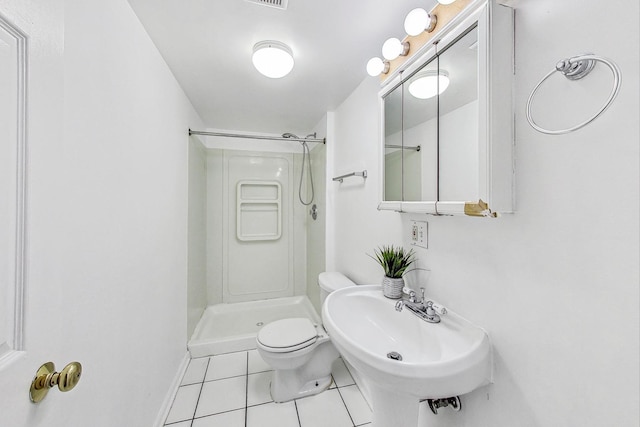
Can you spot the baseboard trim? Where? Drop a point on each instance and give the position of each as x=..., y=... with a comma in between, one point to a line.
x=173, y=390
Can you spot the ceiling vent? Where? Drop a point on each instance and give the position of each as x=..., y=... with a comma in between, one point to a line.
x=278, y=4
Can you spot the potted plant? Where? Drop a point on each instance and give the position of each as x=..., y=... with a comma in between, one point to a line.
x=394, y=262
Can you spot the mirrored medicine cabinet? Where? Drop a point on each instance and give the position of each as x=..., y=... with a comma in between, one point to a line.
x=447, y=120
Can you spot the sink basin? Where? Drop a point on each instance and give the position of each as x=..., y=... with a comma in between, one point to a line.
x=439, y=360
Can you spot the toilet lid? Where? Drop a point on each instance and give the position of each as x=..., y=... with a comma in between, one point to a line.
x=288, y=334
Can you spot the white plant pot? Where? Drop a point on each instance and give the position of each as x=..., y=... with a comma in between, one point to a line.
x=392, y=288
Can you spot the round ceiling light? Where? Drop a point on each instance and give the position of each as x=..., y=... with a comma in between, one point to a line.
x=272, y=58
x=429, y=84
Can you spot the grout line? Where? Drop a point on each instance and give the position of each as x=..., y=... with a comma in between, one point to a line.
x=213, y=415
x=295, y=403
x=260, y=404
x=225, y=378
x=200, y=393
x=345, y=406
x=206, y=369
x=228, y=352
x=258, y=372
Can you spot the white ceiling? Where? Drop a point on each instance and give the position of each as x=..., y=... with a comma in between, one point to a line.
x=208, y=46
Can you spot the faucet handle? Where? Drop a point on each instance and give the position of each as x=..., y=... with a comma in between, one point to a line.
x=411, y=293
x=412, y=296
x=438, y=308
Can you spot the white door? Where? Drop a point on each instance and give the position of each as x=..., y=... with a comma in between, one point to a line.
x=106, y=215
x=30, y=327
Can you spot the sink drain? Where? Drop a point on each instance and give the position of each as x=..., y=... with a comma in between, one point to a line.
x=394, y=355
x=259, y=324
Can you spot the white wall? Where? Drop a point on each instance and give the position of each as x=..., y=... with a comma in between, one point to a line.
x=354, y=225
x=107, y=216
x=556, y=283
x=123, y=201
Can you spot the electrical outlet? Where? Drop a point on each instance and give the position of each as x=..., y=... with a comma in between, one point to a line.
x=420, y=234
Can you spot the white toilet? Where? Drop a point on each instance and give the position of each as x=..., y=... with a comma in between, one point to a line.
x=300, y=352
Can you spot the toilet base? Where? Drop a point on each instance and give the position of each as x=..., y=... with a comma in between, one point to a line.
x=302, y=372
x=283, y=390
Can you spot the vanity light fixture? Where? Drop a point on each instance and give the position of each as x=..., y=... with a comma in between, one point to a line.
x=418, y=21
x=393, y=48
x=428, y=84
x=272, y=58
x=377, y=66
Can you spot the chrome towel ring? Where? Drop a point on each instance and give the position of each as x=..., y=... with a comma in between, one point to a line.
x=575, y=68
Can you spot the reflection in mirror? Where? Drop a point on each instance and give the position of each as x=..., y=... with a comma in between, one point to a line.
x=393, y=140
x=420, y=129
x=458, y=121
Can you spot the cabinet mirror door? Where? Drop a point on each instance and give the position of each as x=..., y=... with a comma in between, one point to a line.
x=393, y=145
x=448, y=120
x=458, y=149
x=420, y=135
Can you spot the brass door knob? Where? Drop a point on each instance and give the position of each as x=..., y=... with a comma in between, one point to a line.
x=46, y=377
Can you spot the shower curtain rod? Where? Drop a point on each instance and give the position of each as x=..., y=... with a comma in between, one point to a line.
x=266, y=137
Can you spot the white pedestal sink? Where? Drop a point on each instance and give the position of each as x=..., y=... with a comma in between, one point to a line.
x=439, y=360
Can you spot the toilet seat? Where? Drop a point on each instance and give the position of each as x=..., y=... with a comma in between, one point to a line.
x=287, y=335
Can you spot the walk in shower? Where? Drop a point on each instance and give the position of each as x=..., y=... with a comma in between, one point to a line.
x=249, y=230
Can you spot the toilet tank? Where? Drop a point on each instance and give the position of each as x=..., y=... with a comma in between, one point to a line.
x=330, y=281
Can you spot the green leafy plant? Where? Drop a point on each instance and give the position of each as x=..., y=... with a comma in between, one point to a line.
x=394, y=261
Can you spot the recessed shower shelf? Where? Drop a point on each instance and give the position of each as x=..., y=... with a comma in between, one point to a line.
x=259, y=210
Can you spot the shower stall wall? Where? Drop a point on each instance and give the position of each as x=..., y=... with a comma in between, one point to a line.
x=256, y=243
x=251, y=236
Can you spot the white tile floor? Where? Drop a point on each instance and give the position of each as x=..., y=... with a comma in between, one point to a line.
x=232, y=390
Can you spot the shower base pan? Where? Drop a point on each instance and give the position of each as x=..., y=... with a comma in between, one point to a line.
x=225, y=328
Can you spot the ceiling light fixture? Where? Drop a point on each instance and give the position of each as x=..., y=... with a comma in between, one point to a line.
x=377, y=66
x=418, y=21
x=272, y=58
x=393, y=48
x=428, y=84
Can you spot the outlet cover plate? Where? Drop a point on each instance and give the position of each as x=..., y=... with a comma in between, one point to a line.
x=419, y=234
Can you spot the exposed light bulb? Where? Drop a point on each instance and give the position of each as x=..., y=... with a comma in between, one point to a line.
x=419, y=20
x=446, y=1
x=429, y=83
x=393, y=48
x=377, y=66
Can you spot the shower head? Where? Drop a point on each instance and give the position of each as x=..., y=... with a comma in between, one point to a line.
x=290, y=135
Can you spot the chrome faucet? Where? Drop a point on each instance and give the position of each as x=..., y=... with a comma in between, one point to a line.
x=422, y=309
